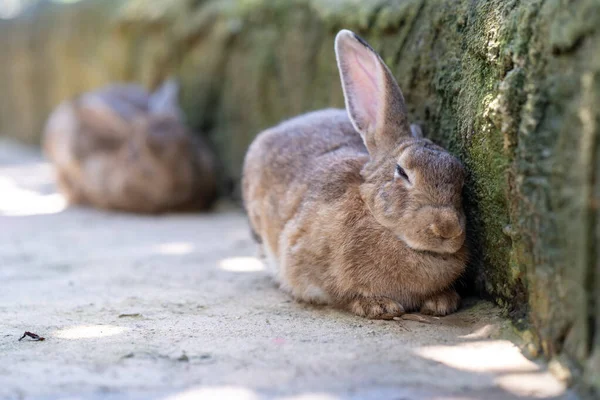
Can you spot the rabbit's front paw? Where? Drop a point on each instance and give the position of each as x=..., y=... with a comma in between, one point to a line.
x=376, y=307
x=441, y=304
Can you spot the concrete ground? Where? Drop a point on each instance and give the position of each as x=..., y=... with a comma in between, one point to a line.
x=178, y=307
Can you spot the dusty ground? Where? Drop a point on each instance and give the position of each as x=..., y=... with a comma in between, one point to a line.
x=177, y=307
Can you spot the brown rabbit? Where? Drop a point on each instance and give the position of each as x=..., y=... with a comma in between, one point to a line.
x=351, y=208
x=125, y=149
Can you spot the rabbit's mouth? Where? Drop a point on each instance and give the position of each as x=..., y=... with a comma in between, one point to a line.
x=434, y=244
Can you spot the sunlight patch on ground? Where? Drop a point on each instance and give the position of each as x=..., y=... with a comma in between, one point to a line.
x=484, y=332
x=16, y=201
x=89, y=331
x=218, y=392
x=485, y=356
x=238, y=393
x=175, y=248
x=311, y=396
x=534, y=384
x=11, y=8
x=516, y=373
x=242, y=264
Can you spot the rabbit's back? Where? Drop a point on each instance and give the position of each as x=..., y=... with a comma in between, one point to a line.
x=301, y=151
x=315, y=155
x=126, y=100
x=93, y=122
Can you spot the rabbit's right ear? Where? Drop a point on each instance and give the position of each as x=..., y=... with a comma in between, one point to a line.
x=373, y=99
x=164, y=100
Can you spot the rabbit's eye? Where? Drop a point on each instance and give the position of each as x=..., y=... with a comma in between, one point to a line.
x=400, y=172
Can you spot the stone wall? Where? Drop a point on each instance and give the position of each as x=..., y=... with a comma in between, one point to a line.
x=511, y=87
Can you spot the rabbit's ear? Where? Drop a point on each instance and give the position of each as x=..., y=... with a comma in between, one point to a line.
x=165, y=98
x=373, y=99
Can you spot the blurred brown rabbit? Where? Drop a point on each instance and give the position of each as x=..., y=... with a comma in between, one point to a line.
x=123, y=148
x=355, y=208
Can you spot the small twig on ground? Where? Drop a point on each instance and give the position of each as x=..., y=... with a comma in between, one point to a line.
x=130, y=315
x=414, y=317
x=33, y=336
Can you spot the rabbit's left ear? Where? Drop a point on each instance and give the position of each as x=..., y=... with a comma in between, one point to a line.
x=165, y=98
x=373, y=99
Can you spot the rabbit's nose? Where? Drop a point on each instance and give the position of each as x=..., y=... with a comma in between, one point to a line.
x=447, y=226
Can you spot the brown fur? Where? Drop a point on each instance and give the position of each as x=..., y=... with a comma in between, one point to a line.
x=116, y=149
x=339, y=222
